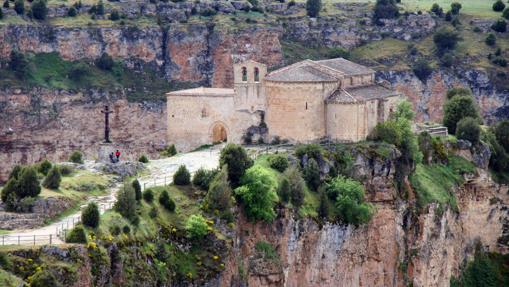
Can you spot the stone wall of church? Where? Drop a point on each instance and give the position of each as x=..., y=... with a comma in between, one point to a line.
x=191, y=120
x=296, y=111
x=346, y=122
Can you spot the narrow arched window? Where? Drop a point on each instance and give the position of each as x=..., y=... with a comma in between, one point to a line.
x=306, y=105
x=256, y=74
x=204, y=113
x=244, y=74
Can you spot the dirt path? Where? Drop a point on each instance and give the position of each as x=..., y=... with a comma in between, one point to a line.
x=159, y=172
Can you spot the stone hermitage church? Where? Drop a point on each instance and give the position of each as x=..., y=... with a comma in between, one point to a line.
x=308, y=101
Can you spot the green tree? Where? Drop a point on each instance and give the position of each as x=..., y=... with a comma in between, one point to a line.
x=455, y=8
x=499, y=26
x=385, y=9
x=388, y=132
x=76, y=157
x=166, y=201
x=498, y=6
x=505, y=14
x=39, y=9
x=258, y=194
x=90, y=216
x=53, y=179
x=19, y=7
x=99, y=8
x=323, y=208
x=148, y=195
x=311, y=173
x=468, y=129
x=297, y=186
x=457, y=108
x=437, y=10
x=72, y=12
x=446, y=39
x=44, y=167
x=137, y=189
x=126, y=203
x=114, y=16
x=28, y=183
x=283, y=190
x=237, y=161
x=105, y=62
x=502, y=134
x=349, y=197
x=196, y=226
x=458, y=92
x=202, y=178
x=422, y=69
x=182, y=176
x=44, y=278
x=19, y=65
x=77, y=235
x=16, y=171
x=1, y=14
x=499, y=160
x=143, y=159
x=278, y=162
x=219, y=194
x=426, y=146
x=313, y=7
x=6, y=4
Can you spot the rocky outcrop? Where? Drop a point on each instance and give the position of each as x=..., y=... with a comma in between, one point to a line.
x=428, y=97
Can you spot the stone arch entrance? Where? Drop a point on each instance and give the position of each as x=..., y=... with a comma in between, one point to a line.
x=219, y=133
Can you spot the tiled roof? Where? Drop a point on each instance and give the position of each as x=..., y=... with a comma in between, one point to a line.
x=202, y=91
x=349, y=68
x=318, y=71
x=360, y=94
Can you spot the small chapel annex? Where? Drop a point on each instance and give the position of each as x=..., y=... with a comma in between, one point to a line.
x=308, y=101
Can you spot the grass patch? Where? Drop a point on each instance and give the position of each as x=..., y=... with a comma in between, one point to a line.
x=434, y=184
x=9, y=280
x=460, y=165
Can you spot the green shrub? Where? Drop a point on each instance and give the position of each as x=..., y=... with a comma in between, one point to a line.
x=323, y=207
x=349, y=200
x=283, y=190
x=311, y=174
x=219, y=195
x=44, y=167
x=422, y=69
x=499, y=159
x=19, y=7
x=297, y=186
x=313, y=151
x=313, y=7
x=237, y=161
x=105, y=62
x=388, y=132
x=39, y=9
x=77, y=235
x=53, y=179
x=502, y=134
x=457, y=108
x=6, y=4
x=446, y=39
x=258, y=194
x=437, y=10
x=148, y=195
x=499, y=26
x=458, y=92
x=468, y=129
x=65, y=170
x=499, y=61
x=90, y=216
x=385, y=9
x=169, y=151
x=143, y=158
x=455, y=8
x=1, y=14
x=126, y=203
x=153, y=212
x=126, y=229
x=19, y=65
x=505, y=14
x=267, y=250
x=137, y=189
x=182, y=176
x=114, y=16
x=202, y=178
x=278, y=162
x=44, y=278
x=498, y=6
x=166, y=201
x=196, y=226
x=115, y=230
x=28, y=184
x=491, y=40
x=72, y=12
x=76, y=157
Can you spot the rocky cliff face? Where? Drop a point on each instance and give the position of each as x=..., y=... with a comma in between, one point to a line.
x=396, y=248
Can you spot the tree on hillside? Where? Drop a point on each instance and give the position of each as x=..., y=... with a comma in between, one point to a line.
x=313, y=8
x=105, y=62
x=385, y=9
x=90, y=216
x=6, y=4
x=311, y=174
x=422, y=69
x=137, y=189
x=505, y=14
x=499, y=26
x=446, y=39
x=502, y=134
x=457, y=108
x=19, y=7
x=19, y=65
x=258, y=194
x=491, y=40
x=348, y=195
x=39, y=9
x=219, y=194
x=23, y=183
x=437, y=10
x=53, y=179
x=455, y=8
x=237, y=161
x=296, y=187
x=468, y=129
x=458, y=92
x=498, y=6
x=126, y=203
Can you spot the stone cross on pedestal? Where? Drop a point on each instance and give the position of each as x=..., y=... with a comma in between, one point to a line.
x=106, y=113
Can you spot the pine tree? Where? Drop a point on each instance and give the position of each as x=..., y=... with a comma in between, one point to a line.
x=53, y=179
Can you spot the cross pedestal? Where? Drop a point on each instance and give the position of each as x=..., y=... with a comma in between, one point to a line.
x=104, y=152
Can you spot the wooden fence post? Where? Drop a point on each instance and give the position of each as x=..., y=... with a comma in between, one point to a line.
x=50, y=239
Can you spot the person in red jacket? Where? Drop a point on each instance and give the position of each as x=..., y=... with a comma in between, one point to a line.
x=117, y=154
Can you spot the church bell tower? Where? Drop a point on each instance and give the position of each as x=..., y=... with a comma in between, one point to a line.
x=248, y=83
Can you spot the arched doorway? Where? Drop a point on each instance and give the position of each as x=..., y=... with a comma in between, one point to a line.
x=219, y=133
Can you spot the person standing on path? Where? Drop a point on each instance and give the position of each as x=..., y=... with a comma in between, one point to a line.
x=117, y=154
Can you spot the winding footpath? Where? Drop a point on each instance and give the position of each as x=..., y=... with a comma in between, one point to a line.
x=158, y=172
